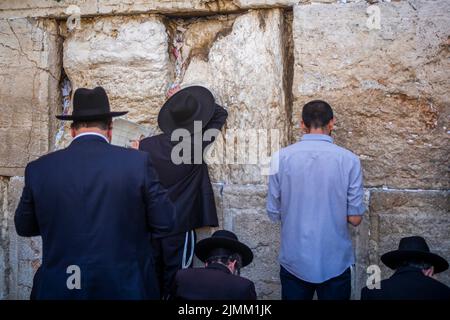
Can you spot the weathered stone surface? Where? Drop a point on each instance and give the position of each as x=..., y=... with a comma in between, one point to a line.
x=24, y=253
x=388, y=87
x=57, y=9
x=361, y=247
x=262, y=236
x=3, y=239
x=397, y=214
x=29, y=74
x=245, y=69
x=244, y=214
x=128, y=57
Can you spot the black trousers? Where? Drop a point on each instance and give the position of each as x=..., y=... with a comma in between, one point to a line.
x=168, y=255
x=293, y=288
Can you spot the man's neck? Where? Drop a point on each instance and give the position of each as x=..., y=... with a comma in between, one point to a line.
x=318, y=131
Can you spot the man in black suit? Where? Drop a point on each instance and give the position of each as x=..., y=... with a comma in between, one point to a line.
x=414, y=267
x=224, y=256
x=190, y=120
x=93, y=204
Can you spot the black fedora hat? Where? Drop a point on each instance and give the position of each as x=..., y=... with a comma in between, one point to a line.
x=90, y=105
x=194, y=103
x=414, y=248
x=228, y=242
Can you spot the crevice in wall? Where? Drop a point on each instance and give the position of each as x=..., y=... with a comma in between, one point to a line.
x=288, y=67
x=65, y=89
x=4, y=239
x=193, y=37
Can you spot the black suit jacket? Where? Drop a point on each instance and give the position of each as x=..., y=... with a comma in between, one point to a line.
x=188, y=184
x=94, y=205
x=408, y=284
x=214, y=282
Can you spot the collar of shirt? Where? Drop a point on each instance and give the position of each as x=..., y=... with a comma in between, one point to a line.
x=317, y=137
x=90, y=134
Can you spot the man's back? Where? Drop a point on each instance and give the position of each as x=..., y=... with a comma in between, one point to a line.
x=93, y=205
x=212, y=283
x=408, y=284
x=317, y=186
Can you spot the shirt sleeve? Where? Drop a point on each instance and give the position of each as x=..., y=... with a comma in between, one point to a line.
x=274, y=193
x=355, y=194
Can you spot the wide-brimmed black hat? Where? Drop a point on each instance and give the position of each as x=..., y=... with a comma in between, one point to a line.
x=195, y=103
x=414, y=248
x=90, y=105
x=227, y=242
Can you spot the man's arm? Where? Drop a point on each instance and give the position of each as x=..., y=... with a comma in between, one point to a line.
x=216, y=123
x=25, y=216
x=159, y=207
x=273, y=205
x=355, y=195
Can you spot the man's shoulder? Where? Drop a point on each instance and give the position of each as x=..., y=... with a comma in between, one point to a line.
x=346, y=153
x=113, y=150
x=154, y=138
x=299, y=146
x=46, y=159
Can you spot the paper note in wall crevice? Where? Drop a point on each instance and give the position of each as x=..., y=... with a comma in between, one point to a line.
x=125, y=131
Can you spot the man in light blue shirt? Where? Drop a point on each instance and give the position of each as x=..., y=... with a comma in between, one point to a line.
x=315, y=190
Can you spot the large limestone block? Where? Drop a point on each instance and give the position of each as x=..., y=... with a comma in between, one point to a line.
x=245, y=215
x=44, y=8
x=24, y=253
x=262, y=236
x=245, y=68
x=397, y=214
x=128, y=56
x=388, y=86
x=29, y=76
x=58, y=9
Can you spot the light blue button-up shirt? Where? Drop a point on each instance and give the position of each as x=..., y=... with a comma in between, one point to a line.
x=314, y=185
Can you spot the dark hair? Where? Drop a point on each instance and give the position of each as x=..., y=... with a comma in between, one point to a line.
x=104, y=124
x=317, y=114
x=227, y=259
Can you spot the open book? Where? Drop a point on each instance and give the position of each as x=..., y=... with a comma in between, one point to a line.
x=125, y=131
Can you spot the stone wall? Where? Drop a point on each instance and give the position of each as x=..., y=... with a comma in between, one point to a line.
x=263, y=59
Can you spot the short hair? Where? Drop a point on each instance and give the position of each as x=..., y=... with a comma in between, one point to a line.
x=227, y=259
x=317, y=114
x=103, y=124
x=416, y=263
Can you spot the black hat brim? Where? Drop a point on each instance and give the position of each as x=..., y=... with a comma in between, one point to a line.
x=205, y=246
x=394, y=259
x=206, y=101
x=91, y=117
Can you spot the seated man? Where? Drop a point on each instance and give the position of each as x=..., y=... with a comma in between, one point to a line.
x=224, y=256
x=414, y=267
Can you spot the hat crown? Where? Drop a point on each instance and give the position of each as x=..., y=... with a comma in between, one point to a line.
x=185, y=107
x=414, y=243
x=90, y=101
x=224, y=234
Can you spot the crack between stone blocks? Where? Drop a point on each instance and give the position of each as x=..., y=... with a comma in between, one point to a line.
x=405, y=189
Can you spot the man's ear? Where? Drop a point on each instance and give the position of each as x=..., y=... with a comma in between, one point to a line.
x=304, y=127
x=73, y=132
x=331, y=124
x=109, y=134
